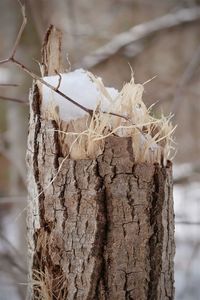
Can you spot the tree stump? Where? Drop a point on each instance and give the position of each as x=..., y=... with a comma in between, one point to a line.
x=104, y=228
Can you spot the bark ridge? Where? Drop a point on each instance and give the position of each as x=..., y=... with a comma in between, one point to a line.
x=104, y=229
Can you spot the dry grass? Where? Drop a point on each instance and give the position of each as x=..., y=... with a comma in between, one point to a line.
x=152, y=138
x=47, y=288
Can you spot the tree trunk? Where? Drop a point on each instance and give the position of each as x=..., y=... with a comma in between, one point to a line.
x=104, y=229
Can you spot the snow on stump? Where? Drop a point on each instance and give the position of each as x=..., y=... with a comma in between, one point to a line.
x=100, y=212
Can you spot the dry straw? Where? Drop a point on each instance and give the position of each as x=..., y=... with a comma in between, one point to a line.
x=47, y=287
x=152, y=138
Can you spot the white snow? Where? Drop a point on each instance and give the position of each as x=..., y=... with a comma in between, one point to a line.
x=78, y=86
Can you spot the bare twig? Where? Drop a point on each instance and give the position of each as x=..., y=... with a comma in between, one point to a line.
x=141, y=31
x=13, y=100
x=188, y=223
x=8, y=84
x=21, y=30
x=55, y=89
x=12, y=200
x=29, y=72
x=36, y=77
x=117, y=115
x=3, y=61
x=59, y=79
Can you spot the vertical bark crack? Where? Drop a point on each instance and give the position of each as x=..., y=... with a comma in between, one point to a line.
x=156, y=240
x=102, y=231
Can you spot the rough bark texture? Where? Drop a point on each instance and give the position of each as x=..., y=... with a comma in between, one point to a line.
x=104, y=229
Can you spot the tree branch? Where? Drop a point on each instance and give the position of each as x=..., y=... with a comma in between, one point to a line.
x=139, y=32
x=29, y=72
x=59, y=79
x=55, y=89
x=188, y=223
x=21, y=30
x=13, y=100
x=8, y=84
x=13, y=200
x=38, y=78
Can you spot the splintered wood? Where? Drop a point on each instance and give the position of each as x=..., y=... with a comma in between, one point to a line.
x=100, y=228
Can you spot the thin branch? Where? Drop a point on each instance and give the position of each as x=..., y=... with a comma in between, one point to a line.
x=117, y=115
x=55, y=89
x=9, y=84
x=21, y=30
x=13, y=100
x=36, y=77
x=139, y=32
x=59, y=79
x=4, y=61
x=187, y=223
x=13, y=200
x=29, y=72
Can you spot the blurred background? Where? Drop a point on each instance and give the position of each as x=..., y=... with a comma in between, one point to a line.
x=103, y=36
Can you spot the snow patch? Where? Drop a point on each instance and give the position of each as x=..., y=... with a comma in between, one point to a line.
x=78, y=86
x=127, y=116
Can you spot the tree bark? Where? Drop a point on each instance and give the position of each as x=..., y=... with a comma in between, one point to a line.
x=104, y=229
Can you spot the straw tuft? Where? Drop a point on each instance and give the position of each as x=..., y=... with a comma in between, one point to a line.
x=126, y=116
